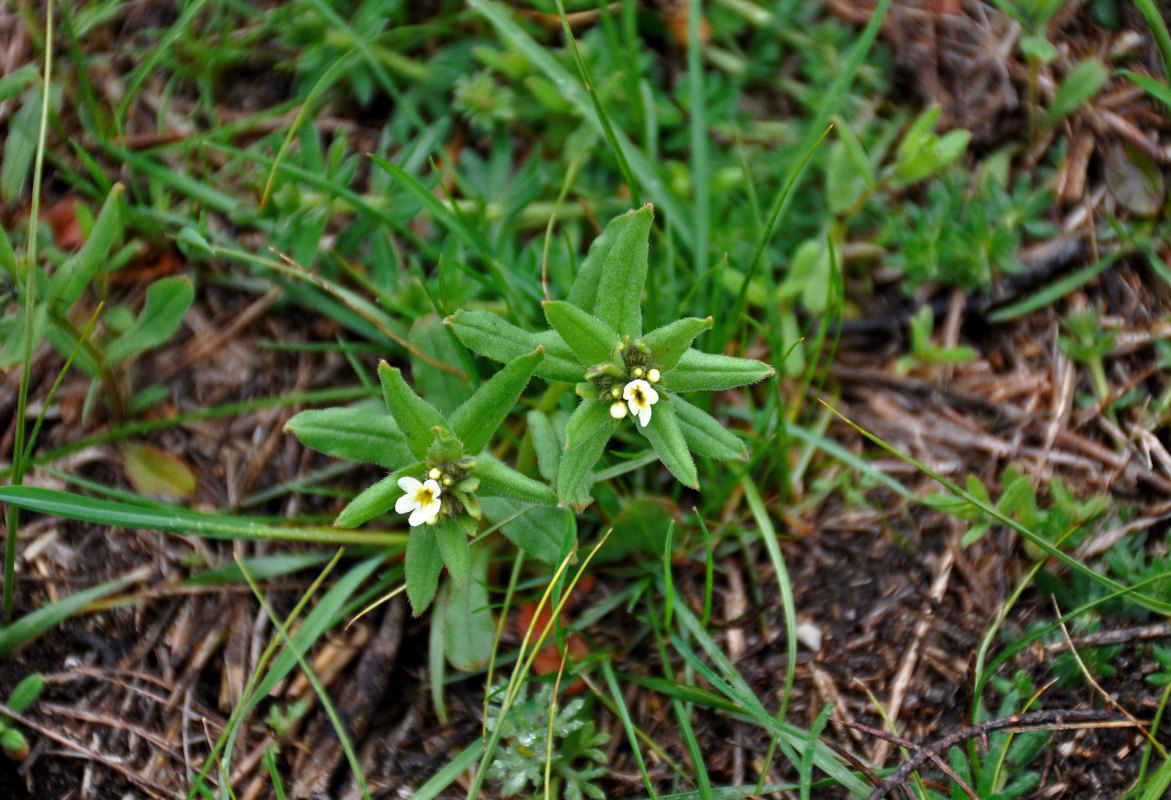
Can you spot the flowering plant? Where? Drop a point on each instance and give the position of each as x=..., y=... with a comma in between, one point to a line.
x=438, y=469
x=596, y=341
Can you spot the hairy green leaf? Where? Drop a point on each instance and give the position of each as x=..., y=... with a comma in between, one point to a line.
x=585, y=421
x=576, y=462
x=356, y=434
x=378, y=499
x=423, y=565
x=591, y=339
x=698, y=371
x=453, y=546
x=477, y=419
x=416, y=418
x=666, y=437
x=670, y=342
x=469, y=630
x=705, y=435
x=541, y=532
x=496, y=338
x=545, y=444
x=619, y=299
x=498, y=480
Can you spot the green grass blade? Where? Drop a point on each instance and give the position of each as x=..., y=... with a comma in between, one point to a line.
x=181, y=520
x=700, y=166
x=500, y=17
x=702, y=781
x=627, y=722
x=38, y=622
x=1154, y=18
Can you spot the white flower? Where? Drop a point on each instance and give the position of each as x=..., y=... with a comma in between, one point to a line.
x=640, y=396
x=421, y=500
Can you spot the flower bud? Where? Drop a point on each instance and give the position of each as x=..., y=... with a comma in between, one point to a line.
x=618, y=410
x=653, y=375
x=434, y=474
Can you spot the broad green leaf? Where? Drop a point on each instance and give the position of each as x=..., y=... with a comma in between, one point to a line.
x=591, y=339
x=587, y=418
x=494, y=337
x=156, y=473
x=918, y=135
x=698, y=371
x=1081, y=85
x=71, y=278
x=445, y=390
x=38, y=622
x=354, y=434
x=416, y=418
x=619, y=303
x=453, y=546
x=176, y=519
x=541, y=532
x=545, y=444
x=498, y=480
x=667, y=439
x=474, y=422
x=423, y=565
x=576, y=463
x=670, y=342
x=26, y=693
x=584, y=292
x=378, y=499
x=469, y=630
x=705, y=435
x=166, y=301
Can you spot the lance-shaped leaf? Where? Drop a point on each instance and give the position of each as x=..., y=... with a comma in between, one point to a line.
x=468, y=628
x=585, y=421
x=668, y=343
x=577, y=462
x=474, y=422
x=443, y=389
x=416, y=418
x=355, y=434
x=166, y=300
x=497, y=480
x=71, y=278
x=705, y=435
x=707, y=372
x=377, y=499
x=665, y=436
x=584, y=292
x=453, y=546
x=619, y=297
x=496, y=338
x=591, y=339
x=423, y=566
x=545, y=444
x=540, y=532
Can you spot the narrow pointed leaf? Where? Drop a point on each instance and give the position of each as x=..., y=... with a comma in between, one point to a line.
x=540, y=532
x=432, y=338
x=498, y=480
x=496, y=338
x=416, y=418
x=353, y=434
x=591, y=339
x=453, y=546
x=545, y=444
x=697, y=371
x=166, y=301
x=585, y=422
x=666, y=437
x=7, y=255
x=576, y=463
x=705, y=435
x=619, y=302
x=670, y=342
x=468, y=629
x=44, y=619
x=424, y=563
x=70, y=280
x=474, y=422
x=377, y=499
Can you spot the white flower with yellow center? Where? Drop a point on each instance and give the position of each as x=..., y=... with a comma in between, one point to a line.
x=640, y=396
x=421, y=500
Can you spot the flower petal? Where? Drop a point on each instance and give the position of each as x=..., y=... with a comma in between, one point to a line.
x=644, y=415
x=406, y=503
x=418, y=517
x=433, y=485
x=409, y=485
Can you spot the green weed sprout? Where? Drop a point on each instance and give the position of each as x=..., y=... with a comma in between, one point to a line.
x=525, y=732
x=596, y=342
x=437, y=467
x=12, y=740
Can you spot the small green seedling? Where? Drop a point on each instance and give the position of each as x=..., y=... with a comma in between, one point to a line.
x=12, y=740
